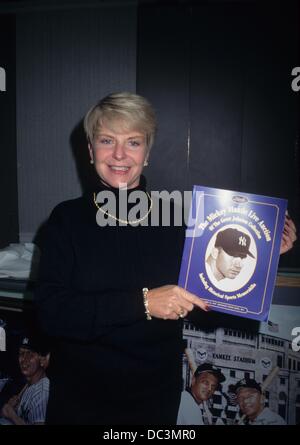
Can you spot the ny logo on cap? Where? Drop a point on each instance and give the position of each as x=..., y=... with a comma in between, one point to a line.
x=25, y=341
x=242, y=241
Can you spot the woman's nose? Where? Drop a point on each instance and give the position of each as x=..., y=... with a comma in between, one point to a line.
x=119, y=151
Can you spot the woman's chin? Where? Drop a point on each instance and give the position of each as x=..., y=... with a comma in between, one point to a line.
x=120, y=182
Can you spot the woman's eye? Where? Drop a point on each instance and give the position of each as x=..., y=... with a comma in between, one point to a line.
x=134, y=143
x=106, y=141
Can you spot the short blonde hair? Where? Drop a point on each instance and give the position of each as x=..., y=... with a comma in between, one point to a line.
x=129, y=110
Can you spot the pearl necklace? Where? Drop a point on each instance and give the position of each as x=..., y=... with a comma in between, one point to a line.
x=125, y=221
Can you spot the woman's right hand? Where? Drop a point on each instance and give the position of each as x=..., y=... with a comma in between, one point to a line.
x=172, y=302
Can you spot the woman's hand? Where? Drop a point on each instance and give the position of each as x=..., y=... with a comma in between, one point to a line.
x=288, y=235
x=171, y=302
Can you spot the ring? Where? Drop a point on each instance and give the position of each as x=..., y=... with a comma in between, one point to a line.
x=181, y=313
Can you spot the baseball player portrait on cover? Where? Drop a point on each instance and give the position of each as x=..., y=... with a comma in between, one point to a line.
x=230, y=252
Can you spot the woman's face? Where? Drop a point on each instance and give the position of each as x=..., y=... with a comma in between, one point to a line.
x=119, y=156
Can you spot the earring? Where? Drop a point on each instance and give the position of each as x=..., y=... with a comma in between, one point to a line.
x=145, y=163
x=91, y=161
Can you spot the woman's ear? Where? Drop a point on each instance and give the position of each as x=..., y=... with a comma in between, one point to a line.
x=91, y=153
x=146, y=161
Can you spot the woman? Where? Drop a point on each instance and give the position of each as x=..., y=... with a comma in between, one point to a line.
x=107, y=292
x=102, y=286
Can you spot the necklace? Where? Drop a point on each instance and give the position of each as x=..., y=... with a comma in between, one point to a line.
x=125, y=221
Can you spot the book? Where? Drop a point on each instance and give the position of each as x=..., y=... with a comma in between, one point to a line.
x=231, y=251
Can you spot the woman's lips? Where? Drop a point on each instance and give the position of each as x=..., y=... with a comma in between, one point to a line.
x=119, y=170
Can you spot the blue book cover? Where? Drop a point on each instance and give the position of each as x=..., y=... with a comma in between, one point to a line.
x=232, y=249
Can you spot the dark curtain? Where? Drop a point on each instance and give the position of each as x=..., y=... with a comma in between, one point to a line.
x=219, y=76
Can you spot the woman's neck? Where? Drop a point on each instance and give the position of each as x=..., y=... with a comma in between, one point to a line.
x=102, y=185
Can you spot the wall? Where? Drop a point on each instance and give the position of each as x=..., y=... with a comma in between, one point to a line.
x=66, y=61
x=219, y=76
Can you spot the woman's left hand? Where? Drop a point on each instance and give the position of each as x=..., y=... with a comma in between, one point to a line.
x=172, y=302
x=288, y=236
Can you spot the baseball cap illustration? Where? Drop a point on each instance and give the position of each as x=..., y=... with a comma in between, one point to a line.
x=247, y=383
x=208, y=367
x=234, y=242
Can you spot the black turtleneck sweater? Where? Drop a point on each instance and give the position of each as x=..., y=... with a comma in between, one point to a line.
x=109, y=364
